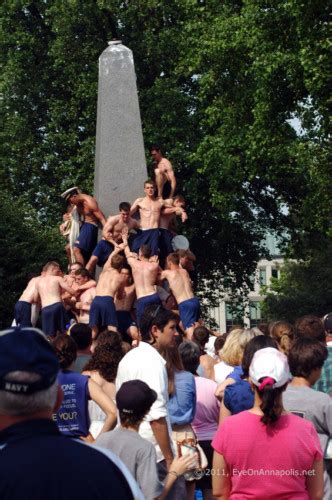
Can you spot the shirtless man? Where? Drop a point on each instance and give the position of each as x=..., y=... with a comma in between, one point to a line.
x=163, y=172
x=22, y=310
x=102, y=310
x=124, y=301
x=49, y=287
x=112, y=236
x=150, y=209
x=84, y=300
x=167, y=224
x=88, y=207
x=145, y=274
x=181, y=287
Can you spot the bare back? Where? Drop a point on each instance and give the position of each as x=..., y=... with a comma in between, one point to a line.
x=110, y=280
x=86, y=206
x=180, y=284
x=145, y=276
x=49, y=290
x=30, y=294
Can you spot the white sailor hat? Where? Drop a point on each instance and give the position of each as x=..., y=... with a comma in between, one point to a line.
x=69, y=192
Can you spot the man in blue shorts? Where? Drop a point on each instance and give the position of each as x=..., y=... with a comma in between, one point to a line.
x=181, y=287
x=149, y=209
x=112, y=236
x=88, y=208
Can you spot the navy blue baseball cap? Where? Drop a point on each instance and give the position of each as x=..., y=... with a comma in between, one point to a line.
x=26, y=349
x=135, y=397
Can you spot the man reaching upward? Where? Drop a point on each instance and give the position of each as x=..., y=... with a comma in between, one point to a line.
x=181, y=287
x=87, y=207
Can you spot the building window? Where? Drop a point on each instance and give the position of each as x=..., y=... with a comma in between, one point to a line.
x=262, y=276
x=275, y=272
x=234, y=316
x=255, y=313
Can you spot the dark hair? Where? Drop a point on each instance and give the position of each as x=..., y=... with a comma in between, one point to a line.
x=107, y=355
x=83, y=272
x=117, y=261
x=220, y=342
x=174, y=258
x=82, y=335
x=200, y=336
x=270, y=405
x=145, y=251
x=150, y=181
x=190, y=354
x=255, y=344
x=283, y=333
x=173, y=363
x=125, y=206
x=154, y=147
x=310, y=327
x=65, y=349
x=128, y=419
x=305, y=356
x=154, y=315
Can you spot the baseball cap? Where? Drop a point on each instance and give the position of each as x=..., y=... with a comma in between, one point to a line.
x=26, y=349
x=69, y=192
x=271, y=364
x=135, y=397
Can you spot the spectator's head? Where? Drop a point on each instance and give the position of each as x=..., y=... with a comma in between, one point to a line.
x=219, y=343
x=28, y=375
x=306, y=358
x=232, y=352
x=283, y=333
x=327, y=321
x=107, y=355
x=256, y=343
x=310, y=327
x=82, y=335
x=134, y=400
x=158, y=325
x=201, y=335
x=190, y=354
x=269, y=374
x=65, y=349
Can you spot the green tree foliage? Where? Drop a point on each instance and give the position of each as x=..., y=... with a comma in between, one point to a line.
x=218, y=85
x=303, y=287
x=26, y=244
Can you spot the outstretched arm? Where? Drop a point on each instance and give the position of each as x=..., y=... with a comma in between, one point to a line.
x=135, y=206
x=116, y=250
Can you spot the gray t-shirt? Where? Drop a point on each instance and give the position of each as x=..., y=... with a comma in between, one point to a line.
x=311, y=405
x=138, y=455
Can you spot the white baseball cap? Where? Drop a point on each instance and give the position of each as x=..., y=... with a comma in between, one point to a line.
x=69, y=192
x=269, y=363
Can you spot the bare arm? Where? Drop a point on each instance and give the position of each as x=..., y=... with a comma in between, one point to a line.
x=65, y=287
x=105, y=403
x=135, y=206
x=221, y=482
x=224, y=412
x=219, y=392
x=107, y=230
x=172, y=180
x=315, y=481
x=177, y=468
x=86, y=286
x=160, y=430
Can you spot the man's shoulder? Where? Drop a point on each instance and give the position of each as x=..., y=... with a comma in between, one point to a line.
x=165, y=162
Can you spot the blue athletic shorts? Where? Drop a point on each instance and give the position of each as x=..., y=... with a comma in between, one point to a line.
x=87, y=239
x=147, y=237
x=165, y=243
x=143, y=302
x=189, y=312
x=22, y=313
x=103, y=250
x=124, y=321
x=102, y=312
x=54, y=319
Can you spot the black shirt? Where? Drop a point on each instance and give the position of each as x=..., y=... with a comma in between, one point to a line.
x=39, y=463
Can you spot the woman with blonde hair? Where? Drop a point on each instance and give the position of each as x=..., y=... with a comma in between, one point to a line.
x=283, y=333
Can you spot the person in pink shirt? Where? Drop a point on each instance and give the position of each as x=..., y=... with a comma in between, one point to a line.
x=205, y=423
x=267, y=453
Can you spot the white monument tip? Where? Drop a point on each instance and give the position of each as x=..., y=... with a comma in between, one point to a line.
x=115, y=42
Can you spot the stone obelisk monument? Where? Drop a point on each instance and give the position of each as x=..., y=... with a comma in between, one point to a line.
x=120, y=168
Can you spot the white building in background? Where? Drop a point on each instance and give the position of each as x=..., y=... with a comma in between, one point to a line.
x=225, y=316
